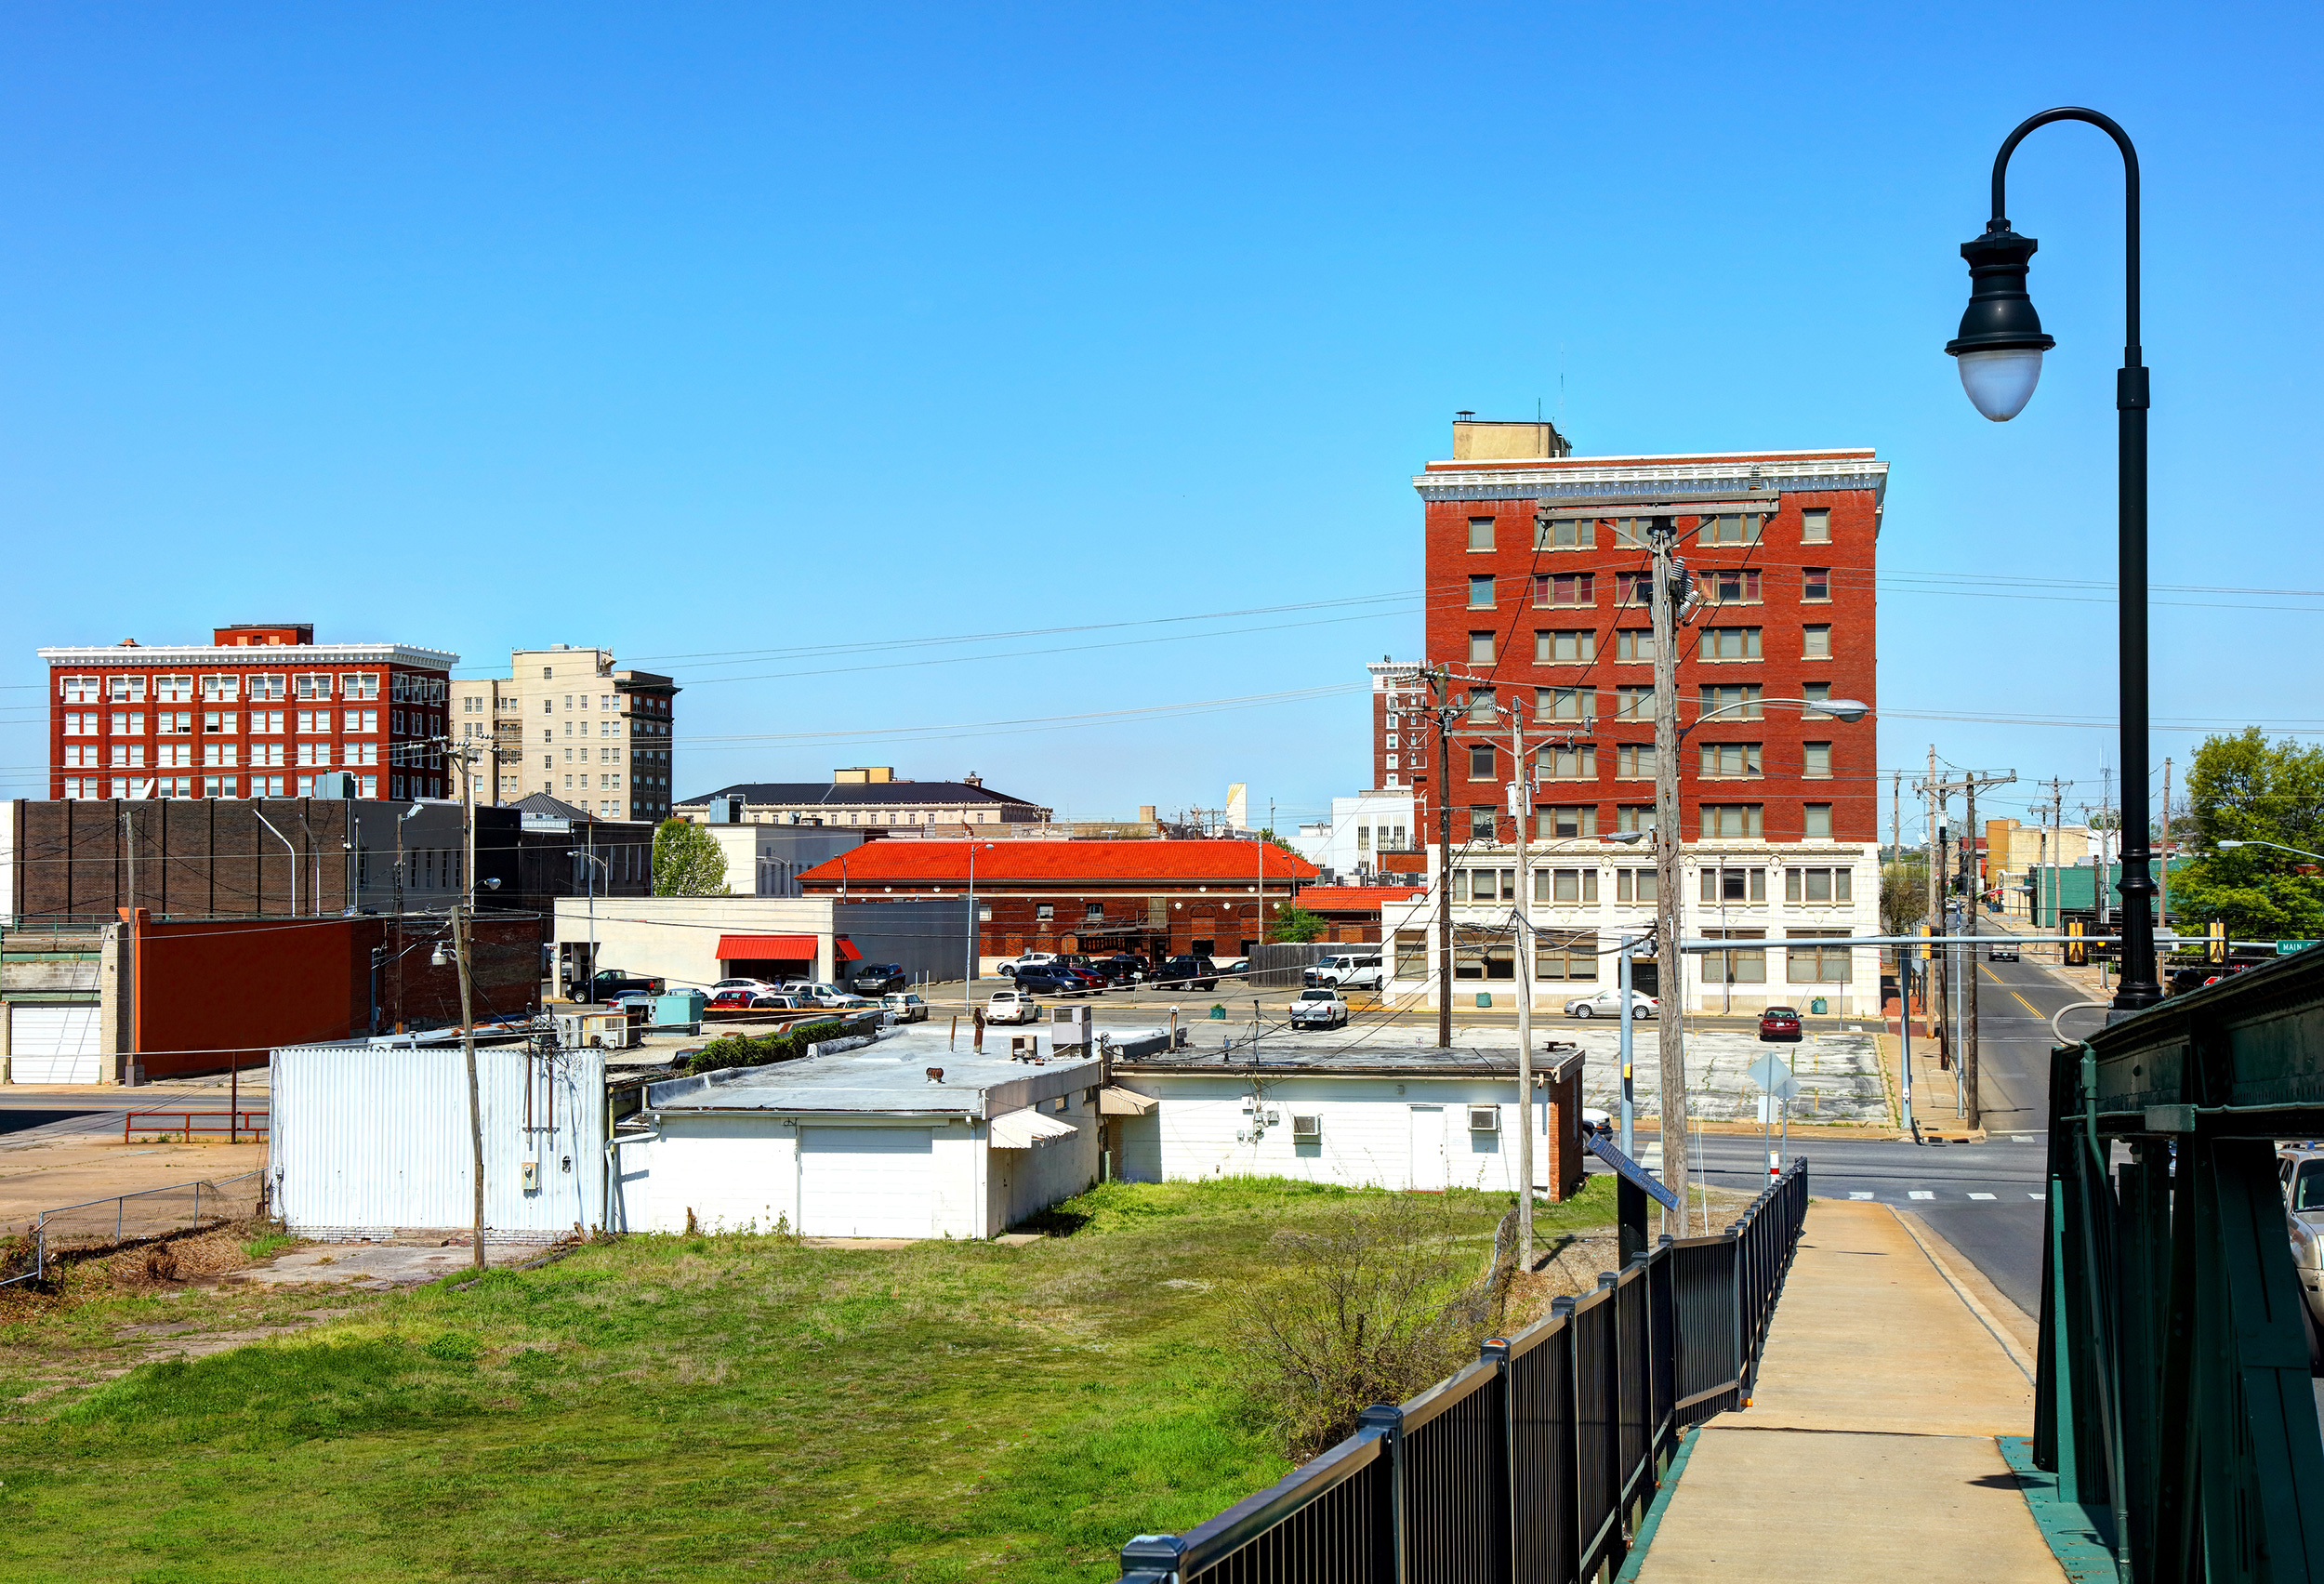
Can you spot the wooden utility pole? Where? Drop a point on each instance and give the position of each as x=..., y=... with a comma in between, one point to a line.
x=1972, y=887
x=1440, y=686
x=2162, y=921
x=1521, y=804
x=463, y=937
x=1670, y=965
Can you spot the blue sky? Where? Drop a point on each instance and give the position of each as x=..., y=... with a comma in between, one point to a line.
x=763, y=346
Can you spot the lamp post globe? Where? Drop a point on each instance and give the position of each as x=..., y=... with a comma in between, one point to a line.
x=1999, y=350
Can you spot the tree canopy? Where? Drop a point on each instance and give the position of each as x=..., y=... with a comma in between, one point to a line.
x=687, y=861
x=2245, y=788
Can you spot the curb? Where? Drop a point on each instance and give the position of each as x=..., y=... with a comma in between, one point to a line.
x=1653, y=1521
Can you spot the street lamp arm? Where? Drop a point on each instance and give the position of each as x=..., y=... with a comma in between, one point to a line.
x=2300, y=851
x=1848, y=710
x=2130, y=218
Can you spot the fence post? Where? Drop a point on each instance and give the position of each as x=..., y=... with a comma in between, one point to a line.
x=1152, y=1559
x=1495, y=1352
x=1387, y=1420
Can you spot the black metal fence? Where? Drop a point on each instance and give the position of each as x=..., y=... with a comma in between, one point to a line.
x=1533, y=1463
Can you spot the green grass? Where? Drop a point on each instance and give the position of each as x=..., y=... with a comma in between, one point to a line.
x=679, y=1408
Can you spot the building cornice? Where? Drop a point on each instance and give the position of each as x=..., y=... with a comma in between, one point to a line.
x=250, y=655
x=1678, y=480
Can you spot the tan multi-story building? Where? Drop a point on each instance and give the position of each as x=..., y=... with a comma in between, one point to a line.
x=566, y=722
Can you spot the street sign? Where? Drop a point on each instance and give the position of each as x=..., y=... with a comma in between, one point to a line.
x=2285, y=949
x=1770, y=1074
x=1637, y=1175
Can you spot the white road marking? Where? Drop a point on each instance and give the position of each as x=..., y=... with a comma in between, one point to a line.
x=1859, y=1195
x=1981, y=1196
x=2037, y=1196
x=2021, y=1139
x=1923, y=1194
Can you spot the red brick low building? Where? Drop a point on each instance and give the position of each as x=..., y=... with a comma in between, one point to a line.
x=1353, y=912
x=1155, y=898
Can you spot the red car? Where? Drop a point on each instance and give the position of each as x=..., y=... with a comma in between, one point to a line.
x=1779, y=1022
x=731, y=999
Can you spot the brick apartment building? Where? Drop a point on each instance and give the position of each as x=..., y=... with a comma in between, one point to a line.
x=1536, y=565
x=567, y=722
x=259, y=711
x=1155, y=898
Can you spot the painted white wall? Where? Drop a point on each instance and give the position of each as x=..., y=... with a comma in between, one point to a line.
x=677, y=937
x=1024, y=1181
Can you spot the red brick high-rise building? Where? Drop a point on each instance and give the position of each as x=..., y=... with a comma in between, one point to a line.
x=259, y=711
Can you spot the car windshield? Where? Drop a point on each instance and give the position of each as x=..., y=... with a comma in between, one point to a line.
x=1317, y=996
x=1781, y=1013
x=2308, y=1189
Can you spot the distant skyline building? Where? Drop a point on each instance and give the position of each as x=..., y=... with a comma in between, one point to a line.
x=567, y=722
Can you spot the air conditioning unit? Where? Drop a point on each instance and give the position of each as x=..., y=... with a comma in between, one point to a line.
x=1306, y=1129
x=1485, y=1119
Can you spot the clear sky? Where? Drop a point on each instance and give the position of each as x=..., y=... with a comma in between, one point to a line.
x=765, y=346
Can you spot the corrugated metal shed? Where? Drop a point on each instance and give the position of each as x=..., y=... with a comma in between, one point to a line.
x=372, y=1140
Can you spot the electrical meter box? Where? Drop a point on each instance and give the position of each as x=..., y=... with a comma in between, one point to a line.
x=531, y=1177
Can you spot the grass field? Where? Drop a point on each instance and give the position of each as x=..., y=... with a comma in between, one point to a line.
x=673, y=1407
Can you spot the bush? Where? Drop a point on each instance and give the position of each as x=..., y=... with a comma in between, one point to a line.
x=1371, y=1310
x=755, y=1050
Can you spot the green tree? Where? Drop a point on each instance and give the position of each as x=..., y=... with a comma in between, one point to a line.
x=1294, y=923
x=2244, y=788
x=687, y=861
x=1904, y=894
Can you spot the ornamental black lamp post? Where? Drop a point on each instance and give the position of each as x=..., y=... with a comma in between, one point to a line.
x=1999, y=353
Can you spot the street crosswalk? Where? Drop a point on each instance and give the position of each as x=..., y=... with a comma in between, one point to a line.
x=1930, y=1194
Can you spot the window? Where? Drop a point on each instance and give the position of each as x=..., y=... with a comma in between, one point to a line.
x=1093, y=913
x=174, y=720
x=1740, y=700
x=366, y=684
x=1818, y=692
x=1481, y=593
x=1566, y=534
x=173, y=690
x=1565, y=588
x=1730, y=643
x=1816, y=822
x=1633, y=588
x=1633, y=704
x=1817, y=885
x=311, y=723
x=1560, y=953
x=1730, y=760
x=1551, y=648
x=1481, y=761
x=79, y=757
x=1568, y=762
x=1573, y=820
x=362, y=721
x=266, y=786
x=80, y=689
x=266, y=721
x=1730, y=586
x=1483, y=705
x=125, y=690
x=1484, y=885
x=268, y=687
x=1632, y=530
x=1816, y=761
x=1566, y=704
x=1815, y=643
x=1815, y=527
x=1743, y=966
x=1729, y=528
x=1635, y=816
x=221, y=688
x=129, y=723
x=1485, y=823
x=1635, y=761
x=1486, y=954
x=1730, y=819
x=1566, y=885
x=1480, y=533
x=266, y=753
x=1480, y=649
x=82, y=723
x=314, y=753
x=1816, y=965
x=219, y=755
x=218, y=786
x=311, y=685
x=1412, y=954
x=1634, y=644
x=1815, y=584
x=1636, y=885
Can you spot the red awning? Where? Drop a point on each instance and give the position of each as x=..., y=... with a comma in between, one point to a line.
x=787, y=948
x=847, y=950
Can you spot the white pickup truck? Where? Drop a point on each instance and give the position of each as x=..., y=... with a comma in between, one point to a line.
x=1319, y=1009
x=1350, y=970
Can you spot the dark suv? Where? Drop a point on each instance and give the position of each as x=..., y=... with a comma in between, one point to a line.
x=1122, y=967
x=1197, y=972
x=879, y=978
x=1056, y=979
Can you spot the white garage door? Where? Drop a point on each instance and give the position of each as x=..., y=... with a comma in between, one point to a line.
x=866, y=1182
x=54, y=1045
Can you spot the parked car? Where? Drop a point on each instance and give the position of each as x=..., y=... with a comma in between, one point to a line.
x=1197, y=972
x=1596, y=1122
x=1054, y=978
x=1125, y=969
x=634, y=998
x=2002, y=951
x=1608, y=1003
x=879, y=978
x=1234, y=968
x=1319, y=1009
x=763, y=986
x=1090, y=979
x=906, y=1006
x=1779, y=1022
x=1348, y=970
x=815, y=992
x=612, y=981
x=1007, y=968
x=846, y=1002
x=736, y=1000
x=2300, y=1168
x=1011, y=1007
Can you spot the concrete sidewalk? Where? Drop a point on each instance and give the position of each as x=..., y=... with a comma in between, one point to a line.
x=1868, y=1450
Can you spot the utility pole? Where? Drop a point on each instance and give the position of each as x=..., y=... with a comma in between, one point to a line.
x=2162, y=919
x=1520, y=805
x=1440, y=686
x=1671, y=973
x=1972, y=889
x=463, y=933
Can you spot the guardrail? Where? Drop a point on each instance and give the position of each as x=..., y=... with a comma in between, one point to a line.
x=98, y=1225
x=235, y=1125
x=1533, y=1463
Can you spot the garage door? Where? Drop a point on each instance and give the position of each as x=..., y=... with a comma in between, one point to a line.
x=54, y=1045
x=866, y=1182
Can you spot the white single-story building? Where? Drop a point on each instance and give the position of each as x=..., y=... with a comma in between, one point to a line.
x=1387, y=1117
x=913, y=1136
x=693, y=941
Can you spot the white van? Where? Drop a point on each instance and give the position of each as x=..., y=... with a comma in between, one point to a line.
x=1349, y=970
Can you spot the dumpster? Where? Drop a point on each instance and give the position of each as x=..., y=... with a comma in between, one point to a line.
x=680, y=1011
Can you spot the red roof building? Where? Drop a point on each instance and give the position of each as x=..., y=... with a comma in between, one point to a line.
x=1353, y=912
x=1154, y=898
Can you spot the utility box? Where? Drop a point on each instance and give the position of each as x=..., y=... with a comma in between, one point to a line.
x=679, y=1011
x=606, y=1028
x=1070, y=1025
x=1560, y=1076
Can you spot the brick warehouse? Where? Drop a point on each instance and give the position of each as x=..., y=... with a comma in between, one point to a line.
x=1536, y=565
x=1155, y=898
x=259, y=711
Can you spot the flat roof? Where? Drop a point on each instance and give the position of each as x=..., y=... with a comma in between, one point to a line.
x=886, y=1076
x=1475, y=1053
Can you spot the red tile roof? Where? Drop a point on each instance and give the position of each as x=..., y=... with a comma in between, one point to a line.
x=1356, y=898
x=1008, y=863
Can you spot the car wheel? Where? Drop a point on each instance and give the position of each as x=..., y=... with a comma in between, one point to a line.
x=1584, y=1012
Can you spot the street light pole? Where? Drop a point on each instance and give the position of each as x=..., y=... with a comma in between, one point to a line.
x=1999, y=352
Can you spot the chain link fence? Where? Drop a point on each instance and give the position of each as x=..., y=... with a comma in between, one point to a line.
x=126, y=1218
